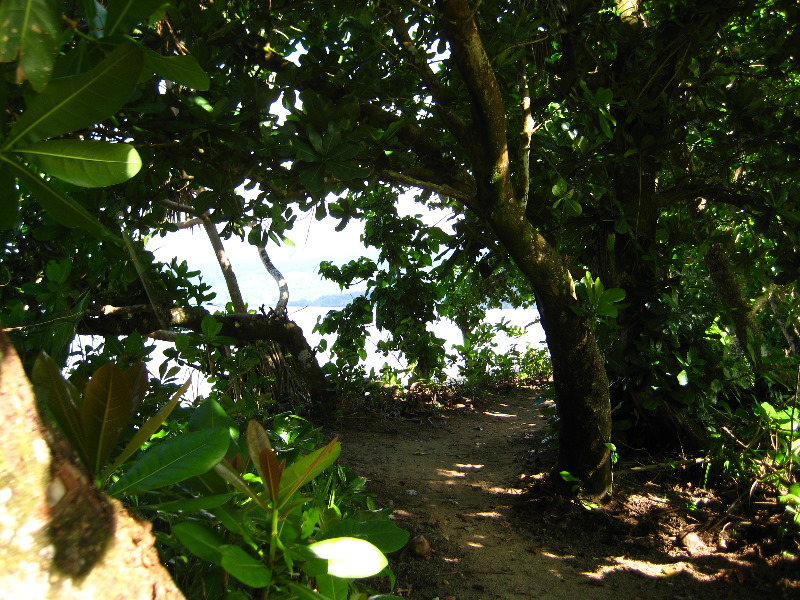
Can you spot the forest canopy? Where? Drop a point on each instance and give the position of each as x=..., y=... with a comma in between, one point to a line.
x=630, y=167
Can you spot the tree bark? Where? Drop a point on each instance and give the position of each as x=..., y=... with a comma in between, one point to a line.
x=61, y=538
x=245, y=328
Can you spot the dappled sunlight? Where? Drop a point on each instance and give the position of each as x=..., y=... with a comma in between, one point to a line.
x=468, y=467
x=485, y=515
x=459, y=473
x=499, y=415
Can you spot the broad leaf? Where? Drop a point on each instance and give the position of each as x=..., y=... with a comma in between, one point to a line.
x=61, y=397
x=231, y=475
x=70, y=103
x=210, y=415
x=30, y=35
x=264, y=458
x=124, y=15
x=200, y=540
x=190, y=505
x=306, y=468
x=383, y=533
x=173, y=460
x=332, y=587
x=350, y=557
x=147, y=430
x=244, y=567
x=60, y=206
x=184, y=70
x=108, y=406
x=86, y=163
x=271, y=471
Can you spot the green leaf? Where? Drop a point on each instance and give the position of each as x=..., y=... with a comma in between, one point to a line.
x=184, y=70
x=70, y=103
x=559, y=188
x=87, y=163
x=61, y=397
x=109, y=402
x=350, y=557
x=306, y=468
x=146, y=431
x=303, y=593
x=210, y=326
x=174, y=460
x=225, y=470
x=614, y=295
x=9, y=200
x=244, y=567
x=200, y=541
x=190, y=505
x=332, y=587
x=30, y=35
x=124, y=15
x=60, y=206
x=383, y=533
x=210, y=415
x=683, y=378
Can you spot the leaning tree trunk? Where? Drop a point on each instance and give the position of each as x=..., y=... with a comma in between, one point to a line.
x=581, y=384
x=61, y=538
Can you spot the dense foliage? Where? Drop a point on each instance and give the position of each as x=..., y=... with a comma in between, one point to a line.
x=630, y=167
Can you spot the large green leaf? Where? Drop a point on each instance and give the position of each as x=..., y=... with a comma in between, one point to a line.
x=61, y=397
x=173, y=460
x=70, y=103
x=87, y=163
x=244, y=567
x=108, y=406
x=200, y=540
x=224, y=469
x=9, y=200
x=306, y=468
x=60, y=206
x=30, y=35
x=386, y=536
x=350, y=557
x=124, y=15
x=147, y=430
x=183, y=69
x=332, y=587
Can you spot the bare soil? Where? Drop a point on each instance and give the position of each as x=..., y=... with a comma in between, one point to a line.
x=463, y=481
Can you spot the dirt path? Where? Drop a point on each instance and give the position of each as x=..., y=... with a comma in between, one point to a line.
x=455, y=480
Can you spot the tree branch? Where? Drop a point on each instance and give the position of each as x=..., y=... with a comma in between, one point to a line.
x=491, y=160
x=441, y=189
x=124, y=320
x=451, y=119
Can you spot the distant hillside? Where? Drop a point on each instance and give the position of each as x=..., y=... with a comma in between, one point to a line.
x=332, y=300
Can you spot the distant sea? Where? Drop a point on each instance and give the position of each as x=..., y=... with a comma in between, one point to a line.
x=307, y=317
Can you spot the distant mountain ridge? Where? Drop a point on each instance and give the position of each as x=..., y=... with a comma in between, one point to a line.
x=332, y=300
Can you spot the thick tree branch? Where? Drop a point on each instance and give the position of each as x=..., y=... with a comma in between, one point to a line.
x=525, y=137
x=439, y=188
x=243, y=327
x=492, y=166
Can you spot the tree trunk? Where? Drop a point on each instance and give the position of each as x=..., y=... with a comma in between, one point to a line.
x=61, y=538
x=582, y=393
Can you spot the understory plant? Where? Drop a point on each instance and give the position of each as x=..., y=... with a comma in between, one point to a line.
x=267, y=514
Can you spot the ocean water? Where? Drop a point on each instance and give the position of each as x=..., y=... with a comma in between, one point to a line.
x=307, y=317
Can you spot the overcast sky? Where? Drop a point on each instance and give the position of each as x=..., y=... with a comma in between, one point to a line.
x=315, y=241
